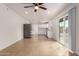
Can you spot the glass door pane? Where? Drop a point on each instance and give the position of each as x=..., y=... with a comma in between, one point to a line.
x=61, y=31
x=66, y=31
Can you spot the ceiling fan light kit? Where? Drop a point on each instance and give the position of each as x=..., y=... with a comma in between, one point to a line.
x=36, y=7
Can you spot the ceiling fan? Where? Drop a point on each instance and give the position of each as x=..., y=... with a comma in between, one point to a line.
x=36, y=6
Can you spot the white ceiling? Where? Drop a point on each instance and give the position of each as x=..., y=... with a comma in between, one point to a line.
x=41, y=15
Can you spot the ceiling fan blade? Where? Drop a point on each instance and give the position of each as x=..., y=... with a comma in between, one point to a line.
x=40, y=3
x=42, y=7
x=35, y=10
x=28, y=6
x=35, y=4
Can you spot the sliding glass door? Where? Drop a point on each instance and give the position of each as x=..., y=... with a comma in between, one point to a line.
x=63, y=30
x=66, y=31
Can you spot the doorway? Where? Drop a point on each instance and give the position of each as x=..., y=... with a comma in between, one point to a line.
x=26, y=31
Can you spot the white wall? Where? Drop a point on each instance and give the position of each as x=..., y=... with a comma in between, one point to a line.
x=38, y=29
x=42, y=31
x=34, y=29
x=77, y=28
x=53, y=29
x=42, y=28
x=11, y=27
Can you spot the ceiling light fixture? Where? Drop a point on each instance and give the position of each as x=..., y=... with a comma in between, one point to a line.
x=36, y=7
x=26, y=12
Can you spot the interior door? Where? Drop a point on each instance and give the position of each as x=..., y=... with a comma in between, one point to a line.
x=27, y=30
